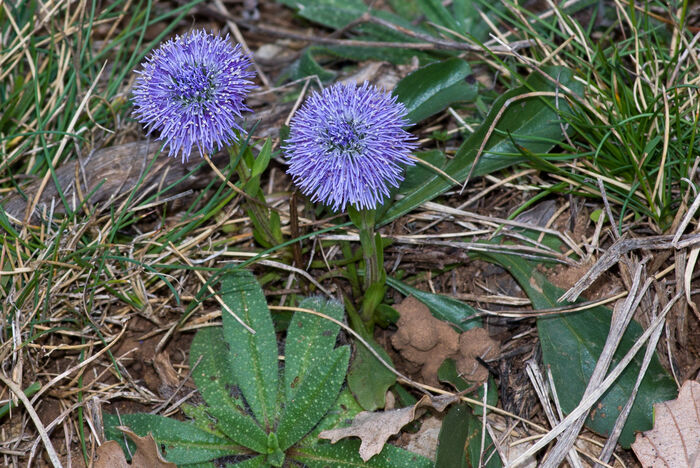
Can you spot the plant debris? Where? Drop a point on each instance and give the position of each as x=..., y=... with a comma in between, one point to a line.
x=110, y=455
x=374, y=429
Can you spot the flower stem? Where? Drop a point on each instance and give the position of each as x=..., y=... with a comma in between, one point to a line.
x=375, y=277
x=364, y=221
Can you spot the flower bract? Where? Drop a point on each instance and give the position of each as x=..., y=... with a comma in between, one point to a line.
x=346, y=146
x=191, y=91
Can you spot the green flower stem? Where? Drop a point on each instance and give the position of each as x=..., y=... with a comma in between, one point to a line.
x=375, y=277
x=364, y=221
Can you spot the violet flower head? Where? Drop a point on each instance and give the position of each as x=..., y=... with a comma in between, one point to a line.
x=191, y=91
x=347, y=146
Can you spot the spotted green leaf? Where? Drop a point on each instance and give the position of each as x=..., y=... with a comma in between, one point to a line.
x=253, y=357
x=214, y=379
x=315, y=395
x=182, y=442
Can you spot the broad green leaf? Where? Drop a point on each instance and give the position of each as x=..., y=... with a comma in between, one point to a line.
x=183, y=442
x=417, y=174
x=453, y=438
x=314, y=396
x=345, y=454
x=433, y=88
x=310, y=340
x=332, y=16
x=459, y=442
x=369, y=379
x=571, y=344
x=358, y=5
x=308, y=66
x=530, y=123
x=459, y=314
x=215, y=381
x=253, y=357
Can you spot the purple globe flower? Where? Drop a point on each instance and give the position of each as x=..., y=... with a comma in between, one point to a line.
x=347, y=146
x=191, y=91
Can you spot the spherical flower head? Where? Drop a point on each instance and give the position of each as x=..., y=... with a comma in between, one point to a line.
x=191, y=91
x=346, y=146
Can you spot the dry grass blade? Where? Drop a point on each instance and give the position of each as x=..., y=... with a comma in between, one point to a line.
x=621, y=317
x=615, y=252
x=587, y=403
x=50, y=450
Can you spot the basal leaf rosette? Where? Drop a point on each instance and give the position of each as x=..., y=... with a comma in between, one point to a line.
x=347, y=146
x=191, y=91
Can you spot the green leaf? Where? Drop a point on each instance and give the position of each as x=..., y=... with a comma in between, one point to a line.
x=215, y=381
x=459, y=442
x=310, y=340
x=369, y=379
x=345, y=454
x=435, y=87
x=182, y=442
x=29, y=391
x=263, y=159
x=334, y=15
x=453, y=437
x=448, y=373
x=255, y=462
x=253, y=357
x=466, y=13
x=308, y=66
x=275, y=455
x=531, y=123
x=317, y=392
x=417, y=174
x=571, y=344
x=442, y=307
x=438, y=14
x=343, y=409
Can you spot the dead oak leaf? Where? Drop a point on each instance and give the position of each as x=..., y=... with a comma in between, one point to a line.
x=147, y=455
x=374, y=429
x=675, y=439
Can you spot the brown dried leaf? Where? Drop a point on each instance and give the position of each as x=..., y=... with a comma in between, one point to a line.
x=147, y=455
x=675, y=439
x=374, y=429
x=110, y=455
